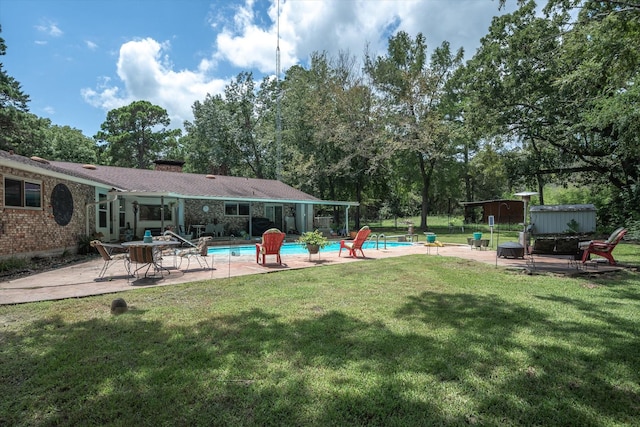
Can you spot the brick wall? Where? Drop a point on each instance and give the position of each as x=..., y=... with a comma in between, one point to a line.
x=31, y=232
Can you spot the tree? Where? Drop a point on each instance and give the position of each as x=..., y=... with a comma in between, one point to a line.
x=131, y=137
x=70, y=145
x=235, y=134
x=330, y=131
x=567, y=90
x=207, y=138
x=251, y=125
x=510, y=96
x=411, y=90
x=19, y=130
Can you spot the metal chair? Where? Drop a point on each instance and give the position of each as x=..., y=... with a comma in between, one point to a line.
x=142, y=256
x=199, y=253
x=106, y=251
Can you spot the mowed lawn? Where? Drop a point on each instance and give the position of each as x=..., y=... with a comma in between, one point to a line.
x=405, y=341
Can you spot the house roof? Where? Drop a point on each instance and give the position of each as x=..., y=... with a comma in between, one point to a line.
x=146, y=182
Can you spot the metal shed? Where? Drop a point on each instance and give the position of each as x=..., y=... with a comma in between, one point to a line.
x=563, y=219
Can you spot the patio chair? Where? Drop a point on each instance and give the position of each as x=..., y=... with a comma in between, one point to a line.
x=199, y=253
x=602, y=248
x=142, y=256
x=107, y=252
x=272, y=241
x=179, y=238
x=355, y=245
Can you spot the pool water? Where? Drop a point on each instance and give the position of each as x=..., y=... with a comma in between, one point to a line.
x=295, y=248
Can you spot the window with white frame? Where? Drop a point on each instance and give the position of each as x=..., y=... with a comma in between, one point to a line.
x=22, y=193
x=236, y=209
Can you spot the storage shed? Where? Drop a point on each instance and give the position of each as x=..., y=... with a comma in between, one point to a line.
x=563, y=219
x=504, y=211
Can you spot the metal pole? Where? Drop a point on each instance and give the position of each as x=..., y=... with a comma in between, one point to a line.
x=346, y=226
x=161, y=215
x=498, y=230
x=278, y=104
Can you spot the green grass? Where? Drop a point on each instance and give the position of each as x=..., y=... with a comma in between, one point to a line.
x=402, y=341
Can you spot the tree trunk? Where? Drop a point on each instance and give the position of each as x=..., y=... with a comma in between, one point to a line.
x=359, y=200
x=426, y=184
x=540, y=189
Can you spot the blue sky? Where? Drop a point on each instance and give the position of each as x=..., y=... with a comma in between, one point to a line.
x=78, y=59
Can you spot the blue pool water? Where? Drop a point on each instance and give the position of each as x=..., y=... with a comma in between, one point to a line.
x=295, y=248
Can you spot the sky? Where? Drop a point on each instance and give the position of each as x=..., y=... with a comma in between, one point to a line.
x=79, y=59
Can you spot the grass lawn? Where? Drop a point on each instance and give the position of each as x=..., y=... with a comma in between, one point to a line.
x=401, y=341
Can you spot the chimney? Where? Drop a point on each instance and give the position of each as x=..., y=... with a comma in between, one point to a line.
x=169, y=165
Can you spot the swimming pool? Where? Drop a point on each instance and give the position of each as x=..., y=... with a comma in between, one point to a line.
x=295, y=248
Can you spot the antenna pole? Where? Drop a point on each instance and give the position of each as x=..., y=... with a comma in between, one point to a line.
x=278, y=103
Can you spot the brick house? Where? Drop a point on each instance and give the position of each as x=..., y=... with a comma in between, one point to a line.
x=47, y=206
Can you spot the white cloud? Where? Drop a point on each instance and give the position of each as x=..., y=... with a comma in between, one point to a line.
x=145, y=70
x=246, y=44
x=50, y=29
x=246, y=36
x=91, y=45
x=339, y=25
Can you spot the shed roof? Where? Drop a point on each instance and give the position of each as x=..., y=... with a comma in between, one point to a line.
x=484, y=202
x=563, y=208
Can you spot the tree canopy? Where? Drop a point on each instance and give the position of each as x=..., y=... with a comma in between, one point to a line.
x=18, y=128
x=134, y=135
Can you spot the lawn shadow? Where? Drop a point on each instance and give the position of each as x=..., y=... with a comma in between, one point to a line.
x=255, y=368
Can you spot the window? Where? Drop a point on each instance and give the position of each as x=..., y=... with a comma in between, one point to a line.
x=103, y=208
x=121, y=213
x=154, y=213
x=236, y=209
x=23, y=194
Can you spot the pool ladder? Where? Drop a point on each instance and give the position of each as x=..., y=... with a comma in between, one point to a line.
x=378, y=237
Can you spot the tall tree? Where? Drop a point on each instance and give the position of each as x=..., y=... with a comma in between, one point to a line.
x=207, y=138
x=330, y=131
x=70, y=145
x=412, y=89
x=566, y=86
x=235, y=134
x=20, y=130
x=510, y=92
x=132, y=136
x=602, y=74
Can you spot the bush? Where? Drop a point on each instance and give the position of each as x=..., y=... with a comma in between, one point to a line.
x=12, y=264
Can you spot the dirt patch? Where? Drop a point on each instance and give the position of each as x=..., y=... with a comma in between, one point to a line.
x=42, y=264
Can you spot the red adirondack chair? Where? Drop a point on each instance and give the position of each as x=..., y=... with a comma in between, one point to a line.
x=603, y=248
x=272, y=241
x=355, y=245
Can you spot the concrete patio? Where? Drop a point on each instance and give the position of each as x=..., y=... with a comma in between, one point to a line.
x=82, y=280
